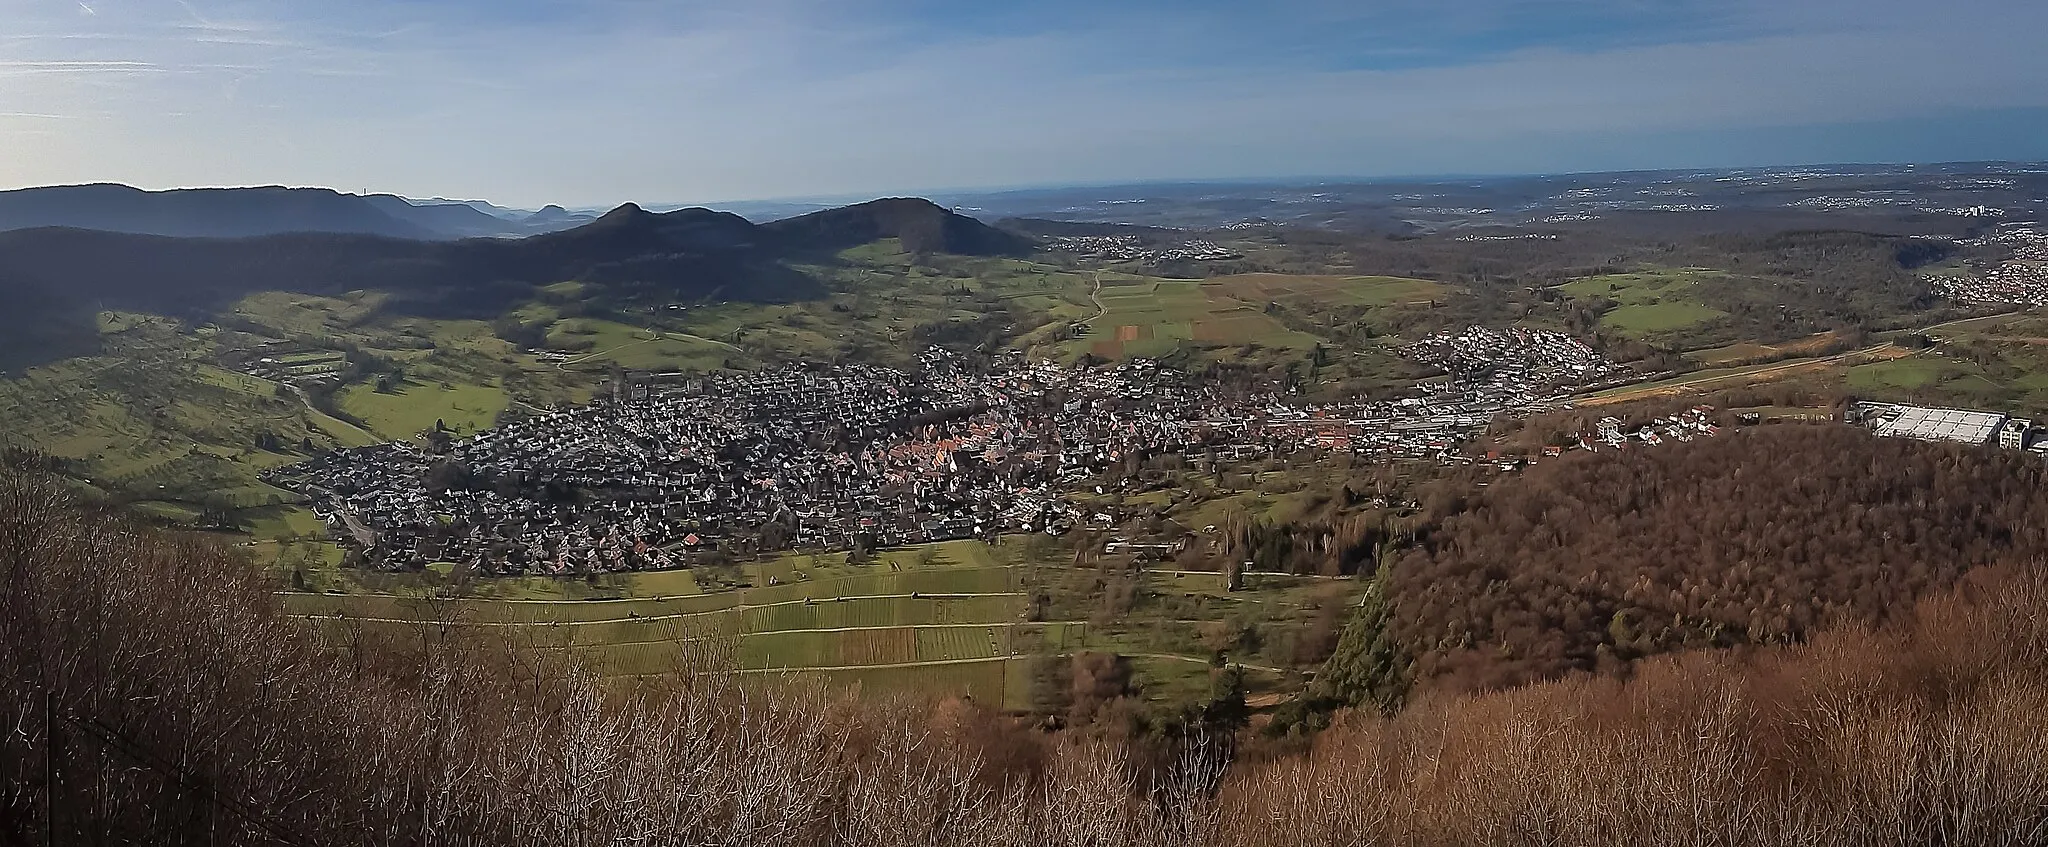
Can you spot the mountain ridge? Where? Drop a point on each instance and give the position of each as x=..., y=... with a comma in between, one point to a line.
x=200, y=212
x=629, y=254
x=252, y=211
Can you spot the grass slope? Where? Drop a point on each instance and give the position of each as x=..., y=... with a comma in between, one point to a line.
x=1652, y=303
x=938, y=619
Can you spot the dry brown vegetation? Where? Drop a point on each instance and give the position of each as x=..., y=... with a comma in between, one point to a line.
x=1757, y=536
x=189, y=710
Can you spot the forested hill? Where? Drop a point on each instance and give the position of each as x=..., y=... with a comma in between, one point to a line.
x=207, y=212
x=923, y=227
x=1758, y=536
x=56, y=278
x=247, y=212
x=155, y=692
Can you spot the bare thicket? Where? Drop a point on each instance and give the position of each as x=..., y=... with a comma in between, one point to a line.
x=189, y=710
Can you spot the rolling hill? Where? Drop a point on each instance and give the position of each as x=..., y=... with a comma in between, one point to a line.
x=923, y=227
x=201, y=212
x=258, y=211
x=57, y=278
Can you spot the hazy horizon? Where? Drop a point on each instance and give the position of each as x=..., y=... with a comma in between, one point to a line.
x=531, y=102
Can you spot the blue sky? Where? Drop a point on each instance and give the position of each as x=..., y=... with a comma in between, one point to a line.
x=601, y=101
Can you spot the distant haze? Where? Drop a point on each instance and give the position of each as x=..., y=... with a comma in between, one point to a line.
x=529, y=102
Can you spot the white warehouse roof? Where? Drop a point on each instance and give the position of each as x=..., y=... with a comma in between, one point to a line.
x=1957, y=425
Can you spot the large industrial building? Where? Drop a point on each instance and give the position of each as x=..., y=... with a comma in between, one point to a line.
x=1958, y=425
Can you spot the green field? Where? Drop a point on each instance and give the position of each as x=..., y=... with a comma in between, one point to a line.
x=2008, y=378
x=1319, y=290
x=1152, y=317
x=165, y=416
x=1650, y=303
x=936, y=619
x=1998, y=363
x=604, y=343
x=412, y=408
x=1657, y=318
x=153, y=419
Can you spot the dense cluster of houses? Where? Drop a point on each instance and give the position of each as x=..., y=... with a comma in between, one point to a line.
x=1489, y=372
x=668, y=472
x=2023, y=278
x=839, y=456
x=1517, y=362
x=1129, y=247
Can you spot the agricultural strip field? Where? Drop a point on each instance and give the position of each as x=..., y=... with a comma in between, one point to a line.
x=949, y=618
x=1724, y=377
x=1151, y=317
x=1750, y=351
x=1298, y=289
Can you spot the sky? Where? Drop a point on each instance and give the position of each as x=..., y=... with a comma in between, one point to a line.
x=595, y=102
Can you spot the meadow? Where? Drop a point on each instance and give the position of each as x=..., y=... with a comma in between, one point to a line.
x=1152, y=317
x=949, y=618
x=414, y=407
x=1650, y=304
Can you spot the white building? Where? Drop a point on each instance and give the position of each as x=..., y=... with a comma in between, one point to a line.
x=1958, y=425
x=2013, y=436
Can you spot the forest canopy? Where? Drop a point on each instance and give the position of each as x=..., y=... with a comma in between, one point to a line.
x=1759, y=536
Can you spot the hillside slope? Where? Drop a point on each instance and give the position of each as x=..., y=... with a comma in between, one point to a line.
x=922, y=226
x=164, y=656
x=202, y=212
x=1755, y=537
x=57, y=278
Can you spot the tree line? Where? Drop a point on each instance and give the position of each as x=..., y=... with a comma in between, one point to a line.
x=154, y=692
x=1759, y=536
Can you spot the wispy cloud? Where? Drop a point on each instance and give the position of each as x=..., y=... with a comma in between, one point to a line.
x=545, y=100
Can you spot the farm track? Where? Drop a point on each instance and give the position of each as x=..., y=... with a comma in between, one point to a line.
x=801, y=631
x=1173, y=657
x=343, y=616
x=1765, y=371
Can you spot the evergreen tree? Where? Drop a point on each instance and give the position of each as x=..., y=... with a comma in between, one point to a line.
x=1369, y=666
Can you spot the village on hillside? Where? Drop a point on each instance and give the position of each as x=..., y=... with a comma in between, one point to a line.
x=2021, y=279
x=670, y=469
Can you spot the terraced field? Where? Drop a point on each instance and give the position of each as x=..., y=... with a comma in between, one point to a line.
x=951, y=618
x=916, y=619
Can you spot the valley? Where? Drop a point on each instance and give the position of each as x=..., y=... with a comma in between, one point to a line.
x=191, y=417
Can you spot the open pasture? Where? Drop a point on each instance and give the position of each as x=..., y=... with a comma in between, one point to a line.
x=1155, y=317
x=416, y=406
x=937, y=619
x=1305, y=290
x=606, y=343
x=1651, y=302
